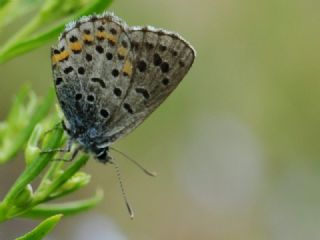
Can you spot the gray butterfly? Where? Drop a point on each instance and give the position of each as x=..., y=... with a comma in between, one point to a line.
x=110, y=77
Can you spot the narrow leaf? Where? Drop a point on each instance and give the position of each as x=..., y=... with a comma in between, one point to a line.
x=69, y=208
x=41, y=38
x=42, y=229
x=22, y=136
x=59, y=181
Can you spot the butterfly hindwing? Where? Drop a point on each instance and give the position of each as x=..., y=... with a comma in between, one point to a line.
x=161, y=60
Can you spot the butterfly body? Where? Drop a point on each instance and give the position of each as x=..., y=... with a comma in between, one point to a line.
x=110, y=77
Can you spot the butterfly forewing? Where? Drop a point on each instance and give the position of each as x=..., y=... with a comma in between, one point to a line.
x=93, y=65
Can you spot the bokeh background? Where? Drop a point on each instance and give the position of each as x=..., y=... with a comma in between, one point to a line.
x=236, y=146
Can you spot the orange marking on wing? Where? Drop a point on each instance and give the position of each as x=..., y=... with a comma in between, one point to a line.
x=127, y=68
x=101, y=35
x=75, y=46
x=122, y=51
x=54, y=58
x=105, y=35
x=64, y=55
x=87, y=38
x=60, y=57
x=111, y=38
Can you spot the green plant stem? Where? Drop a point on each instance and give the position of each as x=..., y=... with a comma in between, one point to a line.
x=70, y=208
x=49, y=174
x=29, y=174
x=67, y=174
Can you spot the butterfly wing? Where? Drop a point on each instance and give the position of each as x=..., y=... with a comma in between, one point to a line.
x=161, y=59
x=110, y=77
x=92, y=71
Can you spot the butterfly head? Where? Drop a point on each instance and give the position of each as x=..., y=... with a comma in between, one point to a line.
x=101, y=154
x=90, y=144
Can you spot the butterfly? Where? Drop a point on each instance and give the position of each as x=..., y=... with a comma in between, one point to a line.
x=109, y=77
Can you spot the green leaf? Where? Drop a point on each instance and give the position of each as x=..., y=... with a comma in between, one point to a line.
x=3, y=3
x=11, y=10
x=70, y=208
x=21, y=122
x=24, y=198
x=77, y=181
x=42, y=229
x=18, y=45
x=32, y=150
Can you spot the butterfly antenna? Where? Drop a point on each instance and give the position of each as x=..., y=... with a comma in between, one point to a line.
x=130, y=210
x=152, y=174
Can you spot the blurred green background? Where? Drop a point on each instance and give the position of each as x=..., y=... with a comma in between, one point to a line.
x=236, y=146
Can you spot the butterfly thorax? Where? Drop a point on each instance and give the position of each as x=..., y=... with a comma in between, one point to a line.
x=87, y=138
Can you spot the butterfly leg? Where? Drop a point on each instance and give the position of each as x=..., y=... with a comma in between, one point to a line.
x=67, y=149
x=56, y=126
x=73, y=156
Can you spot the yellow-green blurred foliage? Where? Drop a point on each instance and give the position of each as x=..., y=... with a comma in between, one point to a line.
x=236, y=146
